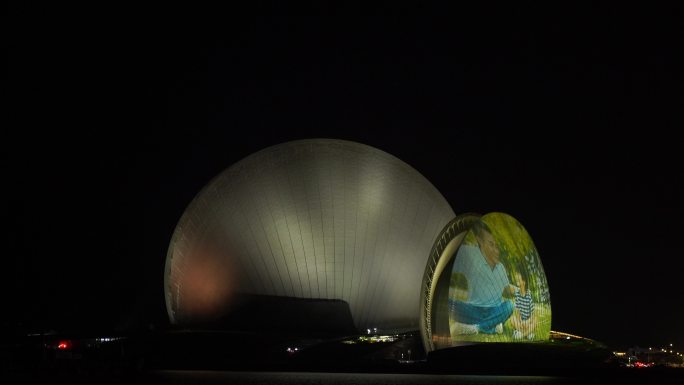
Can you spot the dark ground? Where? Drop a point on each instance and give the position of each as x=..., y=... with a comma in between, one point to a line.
x=173, y=357
x=308, y=378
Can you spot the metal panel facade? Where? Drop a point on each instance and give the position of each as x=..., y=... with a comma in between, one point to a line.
x=313, y=218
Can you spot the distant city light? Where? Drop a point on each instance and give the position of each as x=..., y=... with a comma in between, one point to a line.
x=64, y=345
x=639, y=364
x=107, y=339
x=372, y=339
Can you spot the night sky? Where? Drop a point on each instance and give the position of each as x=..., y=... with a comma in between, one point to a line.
x=565, y=118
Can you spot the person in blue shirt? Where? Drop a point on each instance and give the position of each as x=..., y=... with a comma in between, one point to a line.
x=481, y=300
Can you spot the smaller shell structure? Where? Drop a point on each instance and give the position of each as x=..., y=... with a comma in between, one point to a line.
x=484, y=282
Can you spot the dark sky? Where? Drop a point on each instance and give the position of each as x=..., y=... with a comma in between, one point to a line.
x=565, y=118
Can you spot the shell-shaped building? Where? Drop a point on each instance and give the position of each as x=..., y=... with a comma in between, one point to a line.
x=320, y=218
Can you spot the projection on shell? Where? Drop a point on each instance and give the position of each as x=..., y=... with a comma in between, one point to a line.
x=497, y=289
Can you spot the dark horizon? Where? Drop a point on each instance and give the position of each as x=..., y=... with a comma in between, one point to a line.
x=563, y=118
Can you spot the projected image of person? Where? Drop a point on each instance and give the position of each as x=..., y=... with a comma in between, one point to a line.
x=523, y=319
x=483, y=296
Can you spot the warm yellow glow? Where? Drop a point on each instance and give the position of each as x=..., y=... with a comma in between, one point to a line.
x=566, y=334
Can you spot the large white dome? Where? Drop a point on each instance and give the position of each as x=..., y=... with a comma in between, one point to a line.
x=313, y=218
